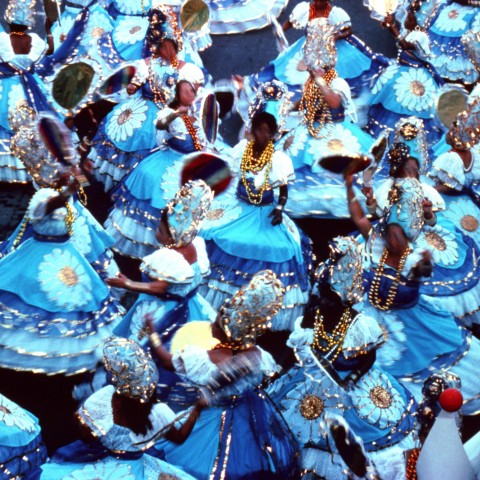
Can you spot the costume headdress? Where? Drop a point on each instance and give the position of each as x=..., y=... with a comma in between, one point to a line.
x=185, y=213
x=319, y=50
x=405, y=208
x=465, y=131
x=411, y=132
x=343, y=269
x=163, y=24
x=247, y=315
x=132, y=369
x=272, y=97
x=29, y=147
x=20, y=12
x=397, y=155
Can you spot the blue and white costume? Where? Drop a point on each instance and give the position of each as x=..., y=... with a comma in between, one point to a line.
x=21, y=448
x=377, y=408
x=407, y=88
x=420, y=338
x=241, y=241
x=59, y=297
x=141, y=195
x=357, y=64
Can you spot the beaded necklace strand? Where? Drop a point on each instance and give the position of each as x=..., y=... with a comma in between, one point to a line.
x=374, y=293
x=255, y=165
x=192, y=131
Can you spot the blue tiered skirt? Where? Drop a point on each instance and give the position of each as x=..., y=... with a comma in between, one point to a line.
x=422, y=339
x=356, y=64
x=21, y=447
x=55, y=311
x=243, y=438
x=243, y=241
x=139, y=199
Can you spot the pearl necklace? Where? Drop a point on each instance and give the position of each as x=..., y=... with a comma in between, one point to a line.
x=255, y=165
x=374, y=293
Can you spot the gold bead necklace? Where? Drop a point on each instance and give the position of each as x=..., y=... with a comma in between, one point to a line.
x=313, y=106
x=255, y=165
x=374, y=293
x=192, y=132
x=325, y=342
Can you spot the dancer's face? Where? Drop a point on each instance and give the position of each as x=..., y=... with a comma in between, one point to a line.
x=262, y=135
x=410, y=169
x=163, y=234
x=186, y=94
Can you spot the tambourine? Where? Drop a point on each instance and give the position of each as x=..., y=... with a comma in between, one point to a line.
x=118, y=81
x=194, y=15
x=450, y=101
x=346, y=163
x=198, y=333
x=209, y=167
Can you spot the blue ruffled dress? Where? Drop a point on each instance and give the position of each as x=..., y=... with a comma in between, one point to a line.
x=118, y=452
x=88, y=237
x=406, y=88
x=420, y=338
x=140, y=197
x=241, y=241
x=127, y=134
x=242, y=436
x=180, y=304
x=450, y=21
x=22, y=451
x=356, y=63
x=55, y=310
x=318, y=192
x=313, y=387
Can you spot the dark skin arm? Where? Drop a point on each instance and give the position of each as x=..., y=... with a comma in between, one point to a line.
x=357, y=214
x=277, y=213
x=51, y=46
x=343, y=33
x=179, y=435
x=153, y=288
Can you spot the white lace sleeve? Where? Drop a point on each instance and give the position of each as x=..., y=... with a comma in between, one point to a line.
x=438, y=203
x=39, y=47
x=6, y=50
x=96, y=413
x=363, y=335
x=448, y=170
x=202, y=257
x=340, y=87
x=38, y=204
x=194, y=363
x=168, y=265
x=268, y=364
x=339, y=18
x=282, y=171
x=299, y=16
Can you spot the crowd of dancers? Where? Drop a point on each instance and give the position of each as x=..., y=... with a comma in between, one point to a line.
x=190, y=332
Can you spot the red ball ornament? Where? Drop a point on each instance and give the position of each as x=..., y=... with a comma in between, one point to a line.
x=451, y=400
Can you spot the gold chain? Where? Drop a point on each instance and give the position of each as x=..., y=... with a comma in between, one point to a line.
x=334, y=339
x=255, y=165
x=374, y=293
x=192, y=132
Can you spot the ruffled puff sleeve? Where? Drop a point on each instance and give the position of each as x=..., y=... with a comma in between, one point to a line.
x=54, y=222
x=96, y=413
x=39, y=47
x=194, y=364
x=341, y=87
x=161, y=416
x=339, y=18
x=267, y=364
x=448, y=170
x=300, y=341
x=282, y=171
x=299, y=16
x=167, y=265
x=363, y=336
x=202, y=256
x=6, y=50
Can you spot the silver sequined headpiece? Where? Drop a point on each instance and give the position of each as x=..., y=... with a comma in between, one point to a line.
x=248, y=314
x=132, y=369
